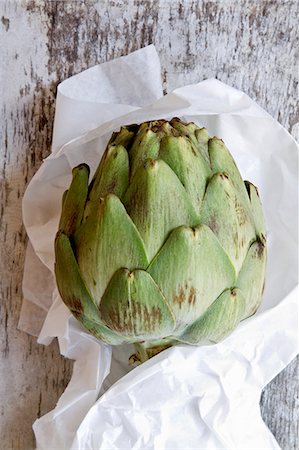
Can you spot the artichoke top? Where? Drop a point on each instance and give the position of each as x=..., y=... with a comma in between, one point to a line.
x=167, y=242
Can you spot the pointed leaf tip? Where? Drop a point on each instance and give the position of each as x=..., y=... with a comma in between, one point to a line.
x=191, y=270
x=157, y=203
x=81, y=167
x=219, y=320
x=74, y=200
x=107, y=241
x=75, y=294
x=134, y=305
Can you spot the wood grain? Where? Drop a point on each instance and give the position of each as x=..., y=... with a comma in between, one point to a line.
x=251, y=45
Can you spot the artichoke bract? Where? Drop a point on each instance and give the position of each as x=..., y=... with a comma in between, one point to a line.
x=166, y=244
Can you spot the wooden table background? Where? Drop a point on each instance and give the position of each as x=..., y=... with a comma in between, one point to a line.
x=251, y=45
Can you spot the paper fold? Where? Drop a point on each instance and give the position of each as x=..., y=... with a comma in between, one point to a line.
x=186, y=397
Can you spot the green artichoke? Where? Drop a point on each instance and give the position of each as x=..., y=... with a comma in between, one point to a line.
x=166, y=245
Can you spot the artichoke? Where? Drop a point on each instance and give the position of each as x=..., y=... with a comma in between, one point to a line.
x=167, y=243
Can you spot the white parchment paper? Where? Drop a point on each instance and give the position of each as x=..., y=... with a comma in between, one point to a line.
x=186, y=397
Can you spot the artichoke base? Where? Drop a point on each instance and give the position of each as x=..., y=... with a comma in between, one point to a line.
x=146, y=350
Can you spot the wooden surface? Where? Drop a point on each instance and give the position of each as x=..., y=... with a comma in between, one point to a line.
x=251, y=45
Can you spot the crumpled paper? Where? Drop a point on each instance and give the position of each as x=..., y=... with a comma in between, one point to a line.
x=186, y=397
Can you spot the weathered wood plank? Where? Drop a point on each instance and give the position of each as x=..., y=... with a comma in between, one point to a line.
x=251, y=45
